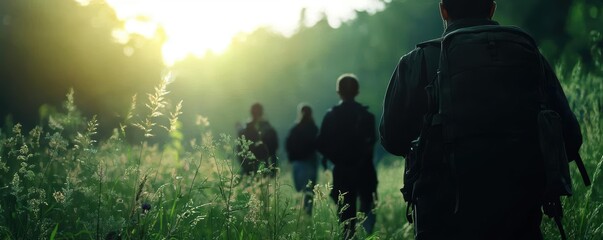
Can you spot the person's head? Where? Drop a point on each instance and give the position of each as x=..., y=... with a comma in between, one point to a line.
x=257, y=111
x=461, y=9
x=347, y=86
x=304, y=112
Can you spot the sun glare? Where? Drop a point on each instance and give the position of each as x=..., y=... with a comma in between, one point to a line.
x=197, y=27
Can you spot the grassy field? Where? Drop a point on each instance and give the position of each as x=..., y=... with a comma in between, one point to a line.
x=58, y=182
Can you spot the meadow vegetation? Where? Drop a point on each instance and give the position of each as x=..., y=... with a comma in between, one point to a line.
x=60, y=181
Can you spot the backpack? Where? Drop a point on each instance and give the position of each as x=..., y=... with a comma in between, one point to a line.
x=352, y=146
x=490, y=83
x=265, y=142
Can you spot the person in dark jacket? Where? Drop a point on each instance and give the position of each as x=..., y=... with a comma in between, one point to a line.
x=347, y=137
x=500, y=204
x=301, y=150
x=264, y=143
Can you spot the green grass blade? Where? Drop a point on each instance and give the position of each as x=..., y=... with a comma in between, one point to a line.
x=173, y=210
x=54, y=232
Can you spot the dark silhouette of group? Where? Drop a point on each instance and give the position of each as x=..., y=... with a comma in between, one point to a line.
x=346, y=138
x=480, y=118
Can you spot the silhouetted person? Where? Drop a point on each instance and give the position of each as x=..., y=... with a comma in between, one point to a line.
x=301, y=150
x=347, y=137
x=479, y=176
x=264, y=142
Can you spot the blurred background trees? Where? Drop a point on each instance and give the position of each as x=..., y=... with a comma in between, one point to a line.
x=48, y=46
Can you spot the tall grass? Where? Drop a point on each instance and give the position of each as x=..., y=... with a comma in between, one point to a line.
x=59, y=181
x=583, y=211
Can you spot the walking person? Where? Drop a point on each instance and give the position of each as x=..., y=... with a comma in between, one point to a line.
x=347, y=138
x=301, y=150
x=465, y=112
x=264, y=143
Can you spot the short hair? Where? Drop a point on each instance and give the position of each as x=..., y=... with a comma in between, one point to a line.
x=257, y=109
x=347, y=85
x=459, y=9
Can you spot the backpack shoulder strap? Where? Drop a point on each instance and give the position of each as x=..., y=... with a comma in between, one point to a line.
x=513, y=30
x=433, y=42
x=430, y=58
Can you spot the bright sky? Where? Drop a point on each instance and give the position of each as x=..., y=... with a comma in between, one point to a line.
x=197, y=26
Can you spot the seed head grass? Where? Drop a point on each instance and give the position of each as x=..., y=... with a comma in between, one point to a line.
x=60, y=181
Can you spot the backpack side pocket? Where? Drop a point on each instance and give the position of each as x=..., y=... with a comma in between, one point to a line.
x=552, y=146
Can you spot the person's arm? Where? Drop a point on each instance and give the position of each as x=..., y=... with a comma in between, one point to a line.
x=321, y=157
x=289, y=144
x=326, y=136
x=372, y=136
x=558, y=101
x=313, y=136
x=404, y=105
x=271, y=140
x=372, y=130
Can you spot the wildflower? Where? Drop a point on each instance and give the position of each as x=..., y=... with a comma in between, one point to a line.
x=16, y=184
x=59, y=197
x=146, y=207
x=254, y=207
x=202, y=121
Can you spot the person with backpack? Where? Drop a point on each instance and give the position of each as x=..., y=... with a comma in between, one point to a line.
x=475, y=114
x=301, y=150
x=347, y=138
x=264, y=143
